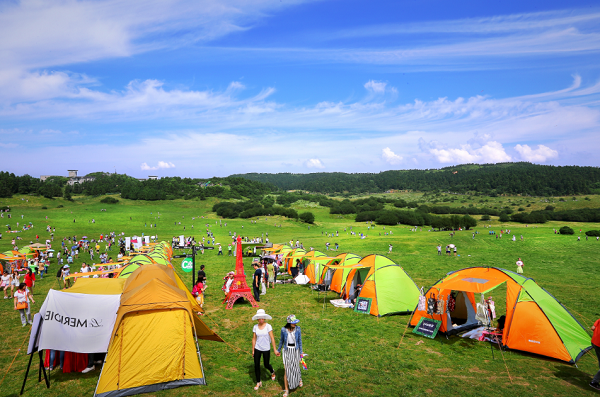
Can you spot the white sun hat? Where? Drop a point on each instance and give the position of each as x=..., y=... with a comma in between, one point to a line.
x=260, y=313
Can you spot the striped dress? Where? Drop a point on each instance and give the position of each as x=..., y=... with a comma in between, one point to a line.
x=291, y=363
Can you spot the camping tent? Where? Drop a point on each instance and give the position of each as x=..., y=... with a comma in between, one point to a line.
x=153, y=344
x=291, y=257
x=535, y=321
x=335, y=272
x=387, y=285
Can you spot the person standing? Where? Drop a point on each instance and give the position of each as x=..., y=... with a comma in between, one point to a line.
x=256, y=281
x=271, y=274
x=202, y=275
x=5, y=283
x=290, y=346
x=519, y=266
x=390, y=250
x=439, y=249
x=30, y=279
x=595, y=383
x=261, y=345
x=66, y=271
x=22, y=298
x=220, y=250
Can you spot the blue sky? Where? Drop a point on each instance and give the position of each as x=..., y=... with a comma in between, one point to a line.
x=211, y=88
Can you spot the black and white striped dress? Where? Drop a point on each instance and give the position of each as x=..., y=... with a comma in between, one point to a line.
x=291, y=363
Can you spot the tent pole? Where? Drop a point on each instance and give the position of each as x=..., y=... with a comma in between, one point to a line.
x=43, y=369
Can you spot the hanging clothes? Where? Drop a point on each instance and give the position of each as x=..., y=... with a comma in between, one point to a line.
x=451, y=303
x=422, y=306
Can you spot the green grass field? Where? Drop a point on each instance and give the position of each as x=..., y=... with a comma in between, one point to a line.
x=349, y=354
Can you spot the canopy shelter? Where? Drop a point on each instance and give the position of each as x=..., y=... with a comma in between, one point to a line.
x=153, y=342
x=536, y=322
x=335, y=272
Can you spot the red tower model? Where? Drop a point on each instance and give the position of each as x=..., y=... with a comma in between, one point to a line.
x=239, y=288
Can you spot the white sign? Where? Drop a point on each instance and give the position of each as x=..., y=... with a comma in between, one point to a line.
x=81, y=323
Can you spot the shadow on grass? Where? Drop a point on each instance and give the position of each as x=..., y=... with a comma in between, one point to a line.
x=573, y=376
x=265, y=375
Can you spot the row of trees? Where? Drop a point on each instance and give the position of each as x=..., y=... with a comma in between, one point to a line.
x=488, y=179
x=417, y=218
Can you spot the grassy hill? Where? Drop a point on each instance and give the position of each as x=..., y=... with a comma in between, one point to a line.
x=349, y=354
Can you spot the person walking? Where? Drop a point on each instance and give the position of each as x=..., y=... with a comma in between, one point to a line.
x=256, y=281
x=5, y=283
x=519, y=266
x=261, y=345
x=21, y=301
x=290, y=346
x=30, y=279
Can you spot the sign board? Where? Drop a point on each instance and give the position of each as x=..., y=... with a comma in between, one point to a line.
x=362, y=305
x=186, y=265
x=427, y=327
x=182, y=256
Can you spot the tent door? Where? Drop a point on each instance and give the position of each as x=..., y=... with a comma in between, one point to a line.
x=463, y=317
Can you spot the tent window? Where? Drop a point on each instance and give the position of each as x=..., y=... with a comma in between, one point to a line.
x=475, y=280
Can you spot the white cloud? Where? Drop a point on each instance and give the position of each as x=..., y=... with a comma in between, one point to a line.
x=391, y=157
x=539, y=155
x=491, y=152
x=377, y=87
x=314, y=163
x=161, y=165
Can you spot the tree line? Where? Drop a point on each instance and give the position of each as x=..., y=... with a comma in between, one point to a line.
x=486, y=179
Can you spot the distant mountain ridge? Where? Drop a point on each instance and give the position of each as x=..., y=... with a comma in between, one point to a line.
x=489, y=179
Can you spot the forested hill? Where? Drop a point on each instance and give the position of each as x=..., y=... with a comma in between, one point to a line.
x=489, y=179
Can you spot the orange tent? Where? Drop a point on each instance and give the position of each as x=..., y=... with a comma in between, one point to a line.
x=535, y=321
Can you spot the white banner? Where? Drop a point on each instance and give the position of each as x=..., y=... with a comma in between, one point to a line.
x=80, y=323
x=127, y=243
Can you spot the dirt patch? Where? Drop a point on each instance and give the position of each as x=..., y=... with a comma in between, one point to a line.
x=431, y=351
x=444, y=369
x=477, y=370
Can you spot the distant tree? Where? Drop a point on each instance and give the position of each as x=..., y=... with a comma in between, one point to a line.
x=566, y=230
x=307, y=217
x=503, y=217
x=549, y=208
x=485, y=217
x=468, y=222
x=593, y=233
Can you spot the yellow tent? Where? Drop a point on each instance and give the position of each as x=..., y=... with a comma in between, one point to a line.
x=153, y=344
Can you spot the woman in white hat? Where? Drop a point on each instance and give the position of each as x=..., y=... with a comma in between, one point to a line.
x=261, y=344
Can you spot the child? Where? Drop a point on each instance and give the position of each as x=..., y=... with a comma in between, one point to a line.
x=198, y=292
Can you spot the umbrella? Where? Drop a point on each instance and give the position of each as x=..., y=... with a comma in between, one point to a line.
x=270, y=257
x=84, y=237
x=50, y=250
x=451, y=245
x=36, y=245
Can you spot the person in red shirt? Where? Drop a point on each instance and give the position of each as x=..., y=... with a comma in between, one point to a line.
x=595, y=383
x=30, y=279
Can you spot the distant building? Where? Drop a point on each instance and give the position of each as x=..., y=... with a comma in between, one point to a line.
x=73, y=178
x=44, y=177
x=152, y=177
